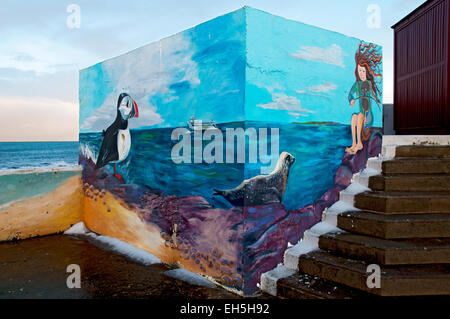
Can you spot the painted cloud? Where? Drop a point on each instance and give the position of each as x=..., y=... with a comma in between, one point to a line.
x=332, y=55
x=320, y=89
x=284, y=102
x=147, y=72
x=323, y=88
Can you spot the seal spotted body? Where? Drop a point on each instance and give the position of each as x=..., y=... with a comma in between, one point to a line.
x=261, y=189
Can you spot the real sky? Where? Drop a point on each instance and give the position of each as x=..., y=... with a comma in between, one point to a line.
x=41, y=56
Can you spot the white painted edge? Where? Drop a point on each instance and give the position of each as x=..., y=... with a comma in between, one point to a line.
x=388, y=151
x=310, y=242
x=375, y=163
x=292, y=254
x=269, y=279
x=399, y=140
x=330, y=214
x=363, y=176
x=348, y=194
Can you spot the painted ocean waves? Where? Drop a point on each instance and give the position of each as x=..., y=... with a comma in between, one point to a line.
x=150, y=161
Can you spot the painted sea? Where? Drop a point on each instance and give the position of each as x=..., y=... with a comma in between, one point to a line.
x=318, y=150
x=37, y=155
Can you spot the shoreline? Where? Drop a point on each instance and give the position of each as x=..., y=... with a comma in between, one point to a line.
x=28, y=184
x=40, y=170
x=43, y=214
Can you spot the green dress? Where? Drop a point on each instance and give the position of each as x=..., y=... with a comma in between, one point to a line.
x=361, y=92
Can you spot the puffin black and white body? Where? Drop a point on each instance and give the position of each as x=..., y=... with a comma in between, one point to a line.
x=116, y=142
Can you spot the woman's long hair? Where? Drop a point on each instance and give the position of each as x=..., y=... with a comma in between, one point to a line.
x=368, y=57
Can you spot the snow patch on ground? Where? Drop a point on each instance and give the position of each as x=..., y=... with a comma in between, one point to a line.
x=115, y=245
x=77, y=229
x=189, y=277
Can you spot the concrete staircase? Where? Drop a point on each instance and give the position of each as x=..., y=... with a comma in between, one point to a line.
x=395, y=214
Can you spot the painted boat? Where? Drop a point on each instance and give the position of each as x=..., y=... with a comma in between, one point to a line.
x=194, y=124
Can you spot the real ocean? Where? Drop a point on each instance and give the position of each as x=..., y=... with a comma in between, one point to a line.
x=37, y=155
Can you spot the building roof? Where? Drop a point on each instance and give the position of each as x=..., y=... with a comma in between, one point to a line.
x=423, y=5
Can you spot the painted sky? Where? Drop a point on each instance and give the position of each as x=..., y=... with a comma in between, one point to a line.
x=40, y=56
x=299, y=72
x=295, y=73
x=198, y=72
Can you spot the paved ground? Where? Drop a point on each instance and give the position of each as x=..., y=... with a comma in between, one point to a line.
x=36, y=268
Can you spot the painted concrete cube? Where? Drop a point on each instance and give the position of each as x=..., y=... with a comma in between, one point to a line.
x=218, y=146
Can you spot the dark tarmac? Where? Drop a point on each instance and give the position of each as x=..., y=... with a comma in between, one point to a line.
x=36, y=268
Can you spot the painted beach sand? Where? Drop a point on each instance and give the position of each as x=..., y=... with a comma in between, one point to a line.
x=39, y=202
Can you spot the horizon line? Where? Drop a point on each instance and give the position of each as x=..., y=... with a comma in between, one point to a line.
x=19, y=141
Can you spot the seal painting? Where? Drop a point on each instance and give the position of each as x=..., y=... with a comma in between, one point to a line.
x=261, y=189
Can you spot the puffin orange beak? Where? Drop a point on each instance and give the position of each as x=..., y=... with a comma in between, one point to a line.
x=135, y=110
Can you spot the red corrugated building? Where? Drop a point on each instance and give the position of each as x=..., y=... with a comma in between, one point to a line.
x=421, y=70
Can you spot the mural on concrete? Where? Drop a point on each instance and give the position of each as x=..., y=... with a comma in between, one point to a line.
x=366, y=90
x=168, y=177
x=116, y=141
x=38, y=202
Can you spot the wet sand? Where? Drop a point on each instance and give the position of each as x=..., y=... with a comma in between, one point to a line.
x=36, y=268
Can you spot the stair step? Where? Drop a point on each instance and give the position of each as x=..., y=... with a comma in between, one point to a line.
x=422, y=151
x=416, y=166
x=410, y=183
x=403, y=202
x=413, y=280
x=395, y=226
x=304, y=286
x=387, y=252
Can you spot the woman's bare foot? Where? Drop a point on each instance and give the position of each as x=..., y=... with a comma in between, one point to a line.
x=350, y=149
x=354, y=149
x=358, y=147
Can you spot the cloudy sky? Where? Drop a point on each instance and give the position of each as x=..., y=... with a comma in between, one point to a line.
x=40, y=55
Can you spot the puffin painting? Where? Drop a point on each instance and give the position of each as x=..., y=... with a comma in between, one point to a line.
x=116, y=142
